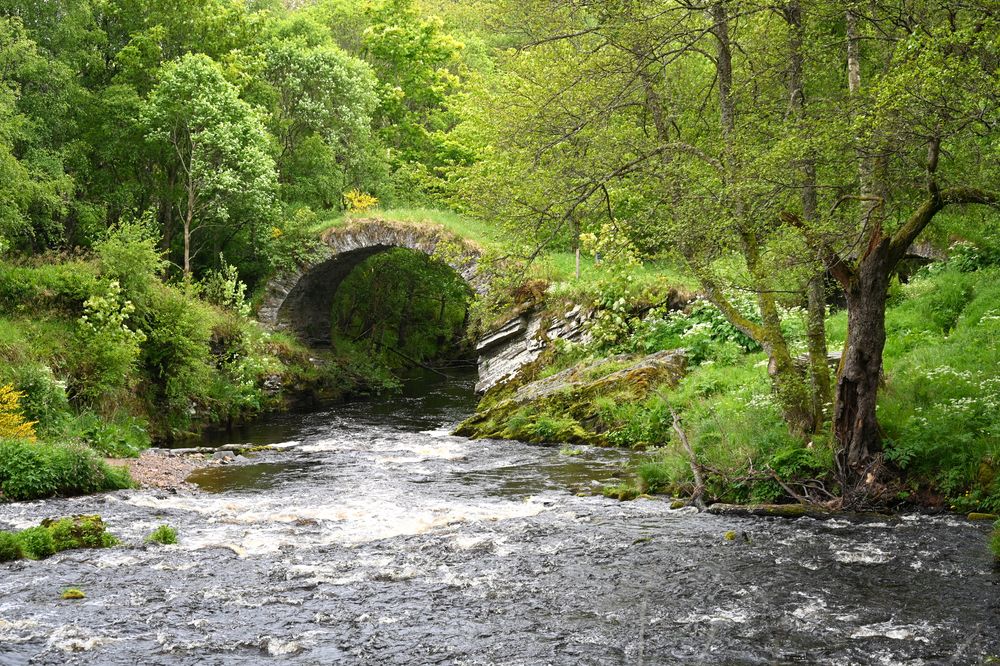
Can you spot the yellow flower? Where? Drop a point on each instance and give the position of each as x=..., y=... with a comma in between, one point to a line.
x=12, y=422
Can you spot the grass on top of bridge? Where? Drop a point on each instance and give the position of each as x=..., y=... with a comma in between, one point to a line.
x=474, y=230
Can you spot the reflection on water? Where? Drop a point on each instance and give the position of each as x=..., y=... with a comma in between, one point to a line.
x=380, y=539
x=255, y=476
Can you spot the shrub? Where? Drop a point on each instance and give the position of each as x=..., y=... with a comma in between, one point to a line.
x=43, y=400
x=108, y=350
x=30, y=470
x=36, y=543
x=164, y=534
x=62, y=287
x=10, y=547
x=121, y=437
x=357, y=201
x=176, y=355
x=128, y=255
x=12, y=421
x=222, y=287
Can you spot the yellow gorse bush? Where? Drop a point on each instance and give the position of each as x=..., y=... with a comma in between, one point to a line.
x=359, y=202
x=12, y=422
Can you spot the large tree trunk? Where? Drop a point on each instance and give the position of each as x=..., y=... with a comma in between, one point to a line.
x=855, y=424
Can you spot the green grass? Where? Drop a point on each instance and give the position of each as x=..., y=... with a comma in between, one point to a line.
x=941, y=406
x=164, y=534
x=461, y=225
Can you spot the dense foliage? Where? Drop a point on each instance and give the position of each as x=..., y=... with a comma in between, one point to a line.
x=756, y=183
x=223, y=120
x=402, y=306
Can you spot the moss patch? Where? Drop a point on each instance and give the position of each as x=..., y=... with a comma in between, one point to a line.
x=53, y=536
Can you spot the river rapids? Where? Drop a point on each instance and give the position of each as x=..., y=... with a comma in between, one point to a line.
x=375, y=537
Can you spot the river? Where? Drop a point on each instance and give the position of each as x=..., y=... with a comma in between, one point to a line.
x=375, y=537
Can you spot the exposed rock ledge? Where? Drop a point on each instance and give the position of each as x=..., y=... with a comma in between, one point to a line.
x=571, y=394
x=520, y=341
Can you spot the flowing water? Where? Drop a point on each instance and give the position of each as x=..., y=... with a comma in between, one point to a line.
x=377, y=538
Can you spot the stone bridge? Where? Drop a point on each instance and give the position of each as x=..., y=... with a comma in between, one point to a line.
x=302, y=300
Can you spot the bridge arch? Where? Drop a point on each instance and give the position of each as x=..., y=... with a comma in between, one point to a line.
x=301, y=300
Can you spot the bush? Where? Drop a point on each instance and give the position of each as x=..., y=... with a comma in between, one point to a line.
x=36, y=543
x=164, y=534
x=61, y=287
x=108, y=350
x=176, y=355
x=10, y=547
x=121, y=437
x=128, y=255
x=43, y=399
x=30, y=470
x=222, y=287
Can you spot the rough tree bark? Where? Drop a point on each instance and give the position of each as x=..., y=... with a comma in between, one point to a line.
x=855, y=422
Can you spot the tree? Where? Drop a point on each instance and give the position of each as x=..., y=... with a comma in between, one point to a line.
x=35, y=188
x=655, y=117
x=417, y=64
x=321, y=102
x=218, y=145
x=924, y=123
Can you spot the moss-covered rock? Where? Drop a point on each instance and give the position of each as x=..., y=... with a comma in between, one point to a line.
x=55, y=535
x=85, y=531
x=565, y=407
x=622, y=492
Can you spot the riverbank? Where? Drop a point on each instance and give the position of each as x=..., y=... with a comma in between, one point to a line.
x=161, y=470
x=709, y=423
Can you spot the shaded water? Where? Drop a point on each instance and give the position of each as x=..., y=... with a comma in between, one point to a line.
x=378, y=538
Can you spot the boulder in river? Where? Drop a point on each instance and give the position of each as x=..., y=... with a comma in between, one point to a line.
x=562, y=407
